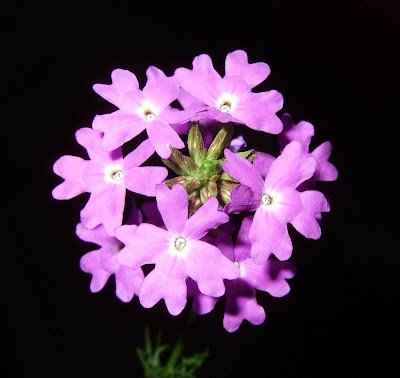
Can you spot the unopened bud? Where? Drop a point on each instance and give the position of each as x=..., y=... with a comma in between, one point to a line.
x=220, y=142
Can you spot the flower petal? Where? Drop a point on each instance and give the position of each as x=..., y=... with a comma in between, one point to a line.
x=243, y=171
x=267, y=233
x=160, y=90
x=202, y=304
x=139, y=155
x=118, y=128
x=166, y=281
x=236, y=63
x=209, y=267
x=290, y=169
x=173, y=206
x=156, y=286
x=325, y=171
x=269, y=277
x=70, y=169
x=91, y=263
x=258, y=110
x=128, y=282
x=242, y=199
x=208, y=217
x=201, y=82
x=122, y=81
x=97, y=235
x=262, y=163
x=243, y=244
x=162, y=136
x=314, y=203
x=105, y=207
x=143, y=180
x=143, y=244
x=241, y=304
x=302, y=132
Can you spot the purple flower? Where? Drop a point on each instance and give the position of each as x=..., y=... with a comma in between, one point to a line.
x=106, y=176
x=140, y=109
x=303, y=132
x=102, y=263
x=230, y=99
x=275, y=200
x=241, y=303
x=177, y=252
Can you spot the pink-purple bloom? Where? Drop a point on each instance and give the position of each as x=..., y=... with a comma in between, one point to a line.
x=102, y=263
x=106, y=176
x=230, y=98
x=177, y=252
x=139, y=110
x=275, y=200
x=241, y=303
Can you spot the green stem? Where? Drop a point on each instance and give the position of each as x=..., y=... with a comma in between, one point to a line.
x=178, y=348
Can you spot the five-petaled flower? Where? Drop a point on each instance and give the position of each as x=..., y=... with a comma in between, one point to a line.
x=106, y=176
x=177, y=252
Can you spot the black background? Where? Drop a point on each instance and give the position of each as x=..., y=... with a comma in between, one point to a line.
x=336, y=67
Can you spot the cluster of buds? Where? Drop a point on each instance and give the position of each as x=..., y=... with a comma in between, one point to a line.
x=219, y=227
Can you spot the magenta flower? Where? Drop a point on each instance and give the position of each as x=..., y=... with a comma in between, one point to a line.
x=102, y=263
x=275, y=200
x=230, y=99
x=106, y=176
x=241, y=303
x=140, y=109
x=177, y=252
x=313, y=202
x=303, y=132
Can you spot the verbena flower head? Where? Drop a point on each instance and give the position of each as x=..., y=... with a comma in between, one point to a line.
x=187, y=217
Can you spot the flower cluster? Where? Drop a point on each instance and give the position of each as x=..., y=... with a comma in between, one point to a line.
x=218, y=226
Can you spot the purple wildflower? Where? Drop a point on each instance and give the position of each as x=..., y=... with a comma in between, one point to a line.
x=241, y=303
x=230, y=99
x=177, y=252
x=139, y=110
x=106, y=176
x=102, y=263
x=275, y=200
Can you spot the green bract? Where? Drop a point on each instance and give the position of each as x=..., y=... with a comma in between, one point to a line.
x=201, y=172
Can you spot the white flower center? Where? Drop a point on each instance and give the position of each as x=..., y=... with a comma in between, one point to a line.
x=266, y=199
x=113, y=174
x=118, y=176
x=241, y=268
x=148, y=111
x=271, y=200
x=227, y=103
x=149, y=116
x=226, y=108
x=180, y=244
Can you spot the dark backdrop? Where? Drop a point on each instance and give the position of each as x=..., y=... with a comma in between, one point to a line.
x=335, y=66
